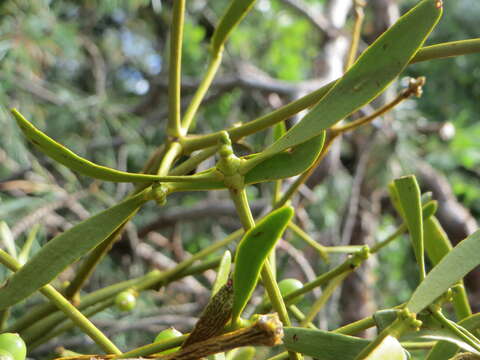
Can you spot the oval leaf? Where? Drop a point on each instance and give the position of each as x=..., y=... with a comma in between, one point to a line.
x=252, y=252
x=455, y=265
x=410, y=200
x=65, y=249
x=374, y=70
x=287, y=163
x=66, y=157
x=323, y=345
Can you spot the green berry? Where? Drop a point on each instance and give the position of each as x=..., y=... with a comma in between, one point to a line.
x=5, y=355
x=13, y=345
x=167, y=334
x=288, y=286
x=125, y=301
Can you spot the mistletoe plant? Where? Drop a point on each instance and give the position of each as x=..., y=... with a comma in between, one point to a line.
x=222, y=326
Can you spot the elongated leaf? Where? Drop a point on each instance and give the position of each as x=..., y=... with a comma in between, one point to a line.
x=442, y=335
x=437, y=244
x=374, y=70
x=66, y=157
x=233, y=15
x=252, y=252
x=288, y=163
x=394, y=198
x=279, y=130
x=323, y=345
x=410, y=200
x=454, y=266
x=65, y=249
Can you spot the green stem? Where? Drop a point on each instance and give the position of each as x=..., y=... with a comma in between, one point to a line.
x=174, y=74
x=202, y=141
x=460, y=302
x=348, y=249
x=322, y=300
x=148, y=281
x=300, y=316
x=68, y=324
x=87, y=267
x=192, y=163
x=174, y=149
x=240, y=200
x=377, y=247
x=25, y=251
x=322, y=250
x=239, y=197
x=200, y=93
x=461, y=333
x=357, y=30
x=405, y=321
x=348, y=265
x=357, y=326
x=35, y=314
x=154, y=348
x=446, y=50
x=437, y=51
x=68, y=309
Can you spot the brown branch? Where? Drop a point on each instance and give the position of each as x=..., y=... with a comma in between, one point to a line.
x=266, y=331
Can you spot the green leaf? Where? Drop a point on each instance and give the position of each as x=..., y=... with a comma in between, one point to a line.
x=279, y=130
x=453, y=267
x=252, y=251
x=392, y=191
x=437, y=244
x=410, y=200
x=445, y=350
x=223, y=272
x=323, y=345
x=235, y=12
x=287, y=163
x=440, y=334
x=66, y=157
x=374, y=70
x=65, y=249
